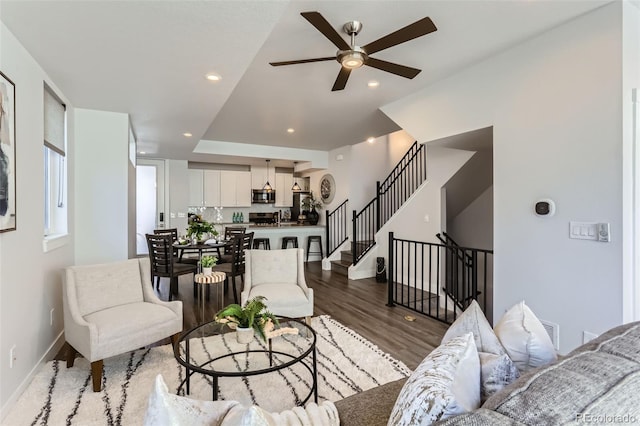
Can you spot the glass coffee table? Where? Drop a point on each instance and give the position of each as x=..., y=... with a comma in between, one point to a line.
x=211, y=349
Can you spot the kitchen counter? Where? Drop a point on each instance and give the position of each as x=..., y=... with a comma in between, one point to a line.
x=289, y=229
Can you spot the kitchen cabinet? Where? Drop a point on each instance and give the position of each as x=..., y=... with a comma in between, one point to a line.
x=204, y=188
x=259, y=176
x=196, y=188
x=235, y=188
x=284, y=194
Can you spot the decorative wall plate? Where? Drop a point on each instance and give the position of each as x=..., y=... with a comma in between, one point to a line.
x=327, y=188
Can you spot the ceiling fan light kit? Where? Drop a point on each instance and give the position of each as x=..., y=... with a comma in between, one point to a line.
x=351, y=56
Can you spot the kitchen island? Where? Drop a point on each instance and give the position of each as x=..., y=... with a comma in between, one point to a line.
x=275, y=233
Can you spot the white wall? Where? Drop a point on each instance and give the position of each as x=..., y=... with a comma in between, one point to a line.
x=177, y=183
x=399, y=144
x=102, y=155
x=30, y=280
x=555, y=104
x=473, y=227
x=631, y=184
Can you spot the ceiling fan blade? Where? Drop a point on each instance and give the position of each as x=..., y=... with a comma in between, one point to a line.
x=397, y=69
x=322, y=25
x=417, y=29
x=302, y=61
x=341, y=81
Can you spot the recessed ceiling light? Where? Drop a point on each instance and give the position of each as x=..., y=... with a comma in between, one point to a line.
x=373, y=83
x=142, y=152
x=213, y=77
x=371, y=139
x=291, y=130
x=187, y=134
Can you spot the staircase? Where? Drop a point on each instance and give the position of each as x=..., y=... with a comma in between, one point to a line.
x=405, y=178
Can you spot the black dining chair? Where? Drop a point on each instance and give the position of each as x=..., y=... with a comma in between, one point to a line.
x=164, y=264
x=229, y=233
x=235, y=267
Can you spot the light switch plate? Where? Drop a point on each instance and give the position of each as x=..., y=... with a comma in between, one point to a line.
x=583, y=230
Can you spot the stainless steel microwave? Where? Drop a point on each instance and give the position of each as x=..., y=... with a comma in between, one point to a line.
x=262, y=196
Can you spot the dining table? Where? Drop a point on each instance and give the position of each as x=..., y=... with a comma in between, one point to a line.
x=201, y=248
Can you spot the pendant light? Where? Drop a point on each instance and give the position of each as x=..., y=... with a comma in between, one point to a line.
x=267, y=186
x=295, y=186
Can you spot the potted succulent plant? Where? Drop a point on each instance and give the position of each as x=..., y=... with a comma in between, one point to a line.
x=208, y=262
x=250, y=318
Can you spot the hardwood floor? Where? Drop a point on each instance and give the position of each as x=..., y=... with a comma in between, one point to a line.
x=359, y=304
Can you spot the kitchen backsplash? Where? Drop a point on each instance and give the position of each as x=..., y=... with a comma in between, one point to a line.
x=209, y=213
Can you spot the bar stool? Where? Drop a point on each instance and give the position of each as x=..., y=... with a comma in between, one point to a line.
x=287, y=240
x=314, y=239
x=264, y=242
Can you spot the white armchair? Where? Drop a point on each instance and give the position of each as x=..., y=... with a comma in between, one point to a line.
x=110, y=309
x=278, y=275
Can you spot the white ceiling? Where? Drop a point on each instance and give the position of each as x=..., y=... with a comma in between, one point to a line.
x=149, y=59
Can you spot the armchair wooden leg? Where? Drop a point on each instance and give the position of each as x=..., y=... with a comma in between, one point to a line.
x=71, y=355
x=96, y=375
x=175, y=338
x=307, y=320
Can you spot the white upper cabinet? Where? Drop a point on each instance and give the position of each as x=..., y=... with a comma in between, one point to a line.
x=204, y=188
x=284, y=194
x=235, y=188
x=196, y=188
x=259, y=176
x=211, y=188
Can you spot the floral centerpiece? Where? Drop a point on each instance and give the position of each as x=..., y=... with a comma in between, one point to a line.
x=253, y=316
x=198, y=227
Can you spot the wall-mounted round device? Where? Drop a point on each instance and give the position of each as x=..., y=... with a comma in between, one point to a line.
x=545, y=207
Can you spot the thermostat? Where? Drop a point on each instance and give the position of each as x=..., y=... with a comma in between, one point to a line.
x=545, y=207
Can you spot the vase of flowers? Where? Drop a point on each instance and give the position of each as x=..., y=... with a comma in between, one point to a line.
x=248, y=319
x=312, y=205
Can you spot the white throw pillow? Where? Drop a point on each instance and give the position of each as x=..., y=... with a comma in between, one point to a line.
x=446, y=383
x=497, y=369
x=166, y=409
x=472, y=320
x=525, y=339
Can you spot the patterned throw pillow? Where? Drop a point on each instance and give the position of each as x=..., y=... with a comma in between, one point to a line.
x=497, y=369
x=446, y=383
x=525, y=339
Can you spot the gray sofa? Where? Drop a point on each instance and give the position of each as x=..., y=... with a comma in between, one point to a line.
x=600, y=378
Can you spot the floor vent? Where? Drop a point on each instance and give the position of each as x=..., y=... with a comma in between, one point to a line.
x=553, y=330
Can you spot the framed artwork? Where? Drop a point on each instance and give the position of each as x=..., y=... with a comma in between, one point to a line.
x=7, y=154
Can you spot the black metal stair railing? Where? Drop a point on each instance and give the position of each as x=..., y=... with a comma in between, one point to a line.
x=417, y=276
x=337, y=231
x=458, y=264
x=400, y=184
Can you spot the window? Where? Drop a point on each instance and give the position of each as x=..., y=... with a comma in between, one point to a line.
x=55, y=168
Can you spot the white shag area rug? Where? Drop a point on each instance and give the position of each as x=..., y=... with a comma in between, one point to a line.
x=347, y=363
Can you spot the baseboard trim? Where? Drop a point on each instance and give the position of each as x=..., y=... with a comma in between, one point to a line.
x=50, y=354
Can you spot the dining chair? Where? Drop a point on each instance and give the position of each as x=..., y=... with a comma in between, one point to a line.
x=163, y=262
x=235, y=267
x=229, y=233
x=174, y=236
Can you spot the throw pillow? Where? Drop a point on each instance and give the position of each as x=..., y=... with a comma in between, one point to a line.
x=446, y=383
x=525, y=339
x=167, y=409
x=496, y=368
x=472, y=320
x=496, y=372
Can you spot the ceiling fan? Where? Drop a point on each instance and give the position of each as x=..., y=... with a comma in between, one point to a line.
x=351, y=56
